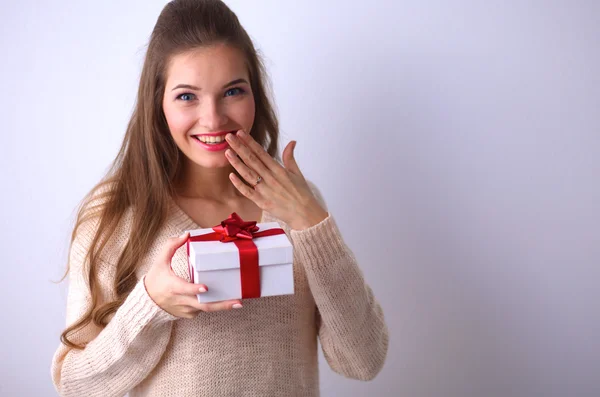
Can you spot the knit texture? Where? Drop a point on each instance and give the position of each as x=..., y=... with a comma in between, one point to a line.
x=267, y=348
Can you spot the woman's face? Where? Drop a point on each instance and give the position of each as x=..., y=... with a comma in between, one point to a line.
x=207, y=95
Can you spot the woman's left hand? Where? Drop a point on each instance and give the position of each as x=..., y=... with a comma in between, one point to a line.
x=283, y=191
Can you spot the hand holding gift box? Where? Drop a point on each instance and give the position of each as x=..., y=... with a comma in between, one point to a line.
x=239, y=259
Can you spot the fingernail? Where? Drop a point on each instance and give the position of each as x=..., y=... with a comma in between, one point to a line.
x=184, y=235
x=237, y=306
x=202, y=289
x=230, y=137
x=241, y=134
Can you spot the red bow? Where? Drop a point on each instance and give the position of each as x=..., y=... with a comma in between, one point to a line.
x=241, y=233
x=235, y=227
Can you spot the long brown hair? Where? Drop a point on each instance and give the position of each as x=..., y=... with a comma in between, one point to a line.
x=143, y=173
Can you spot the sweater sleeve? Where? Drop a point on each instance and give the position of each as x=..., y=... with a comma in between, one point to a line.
x=115, y=359
x=351, y=325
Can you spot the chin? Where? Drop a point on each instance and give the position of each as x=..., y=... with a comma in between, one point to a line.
x=217, y=162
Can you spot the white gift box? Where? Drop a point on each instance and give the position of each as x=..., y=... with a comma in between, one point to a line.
x=217, y=265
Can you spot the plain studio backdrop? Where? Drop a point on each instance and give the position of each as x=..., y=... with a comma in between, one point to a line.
x=457, y=143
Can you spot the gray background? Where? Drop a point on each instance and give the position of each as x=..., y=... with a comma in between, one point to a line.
x=463, y=135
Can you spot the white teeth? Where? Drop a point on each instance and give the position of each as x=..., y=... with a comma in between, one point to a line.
x=211, y=139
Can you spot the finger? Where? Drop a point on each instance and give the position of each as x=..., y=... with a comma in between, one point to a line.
x=222, y=305
x=189, y=289
x=260, y=151
x=246, y=190
x=187, y=302
x=289, y=160
x=249, y=175
x=172, y=245
x=249, y=157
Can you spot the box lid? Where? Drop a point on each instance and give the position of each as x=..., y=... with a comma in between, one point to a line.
x=215, y=255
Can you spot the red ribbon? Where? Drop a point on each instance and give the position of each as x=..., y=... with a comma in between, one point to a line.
x=241, y=233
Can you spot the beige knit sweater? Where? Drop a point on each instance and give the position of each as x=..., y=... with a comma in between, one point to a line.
x=267, y=348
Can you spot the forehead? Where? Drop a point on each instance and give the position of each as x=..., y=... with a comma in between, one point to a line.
x=207, y=66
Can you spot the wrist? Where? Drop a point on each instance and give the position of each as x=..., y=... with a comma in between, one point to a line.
x=309, y=220
x=146, y=283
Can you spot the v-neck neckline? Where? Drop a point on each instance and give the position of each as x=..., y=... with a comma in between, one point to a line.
x=188, y=219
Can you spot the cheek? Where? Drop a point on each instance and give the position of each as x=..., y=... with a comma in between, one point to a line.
x=246, y=113
x=178, y=120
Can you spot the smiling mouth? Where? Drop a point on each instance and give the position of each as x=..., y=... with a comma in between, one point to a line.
x=212, y=139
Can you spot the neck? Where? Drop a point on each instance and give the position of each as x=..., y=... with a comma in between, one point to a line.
x=206, y=183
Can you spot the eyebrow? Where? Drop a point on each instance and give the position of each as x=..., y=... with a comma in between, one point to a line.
x=192, y=87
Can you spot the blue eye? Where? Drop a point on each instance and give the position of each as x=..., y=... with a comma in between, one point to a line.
x=241, y=91
x=187, y=94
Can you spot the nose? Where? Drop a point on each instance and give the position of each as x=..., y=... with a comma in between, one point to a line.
x=211, y=115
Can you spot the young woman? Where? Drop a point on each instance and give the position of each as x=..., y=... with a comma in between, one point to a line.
x=200, y=145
